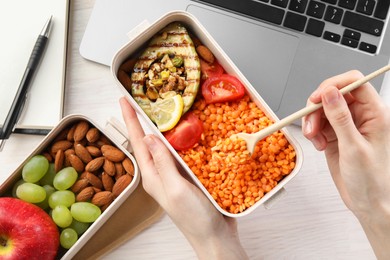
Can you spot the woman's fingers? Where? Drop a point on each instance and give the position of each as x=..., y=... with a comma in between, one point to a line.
x=314, y=125
x=150, y=177
x=164, y=162
x=339, y=116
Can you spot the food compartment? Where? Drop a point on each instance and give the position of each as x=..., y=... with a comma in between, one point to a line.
x=222, y=104
x=86, y=169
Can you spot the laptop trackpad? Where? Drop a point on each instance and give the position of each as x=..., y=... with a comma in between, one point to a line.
x=262, y=54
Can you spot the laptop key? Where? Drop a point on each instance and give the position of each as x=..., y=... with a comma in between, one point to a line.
x=316, y=9
x=365, y=6
x=363, y=23
x=333, y=14
x=315, y=27
x=334, y=37
x=352, y=34
x=298, y=5
x=281, y=3
x=333, y=2
x=349, y=42
x=251, y=8
x=382, y=8
x=370, y=48
x=349, y=4
x=295, y=21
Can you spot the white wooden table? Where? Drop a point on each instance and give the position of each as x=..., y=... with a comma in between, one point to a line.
x=311, y=222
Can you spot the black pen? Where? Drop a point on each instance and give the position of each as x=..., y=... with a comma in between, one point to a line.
x=21, y=95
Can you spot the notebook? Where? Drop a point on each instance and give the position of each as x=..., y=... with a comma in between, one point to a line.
x=285, y=48
x=21, y=21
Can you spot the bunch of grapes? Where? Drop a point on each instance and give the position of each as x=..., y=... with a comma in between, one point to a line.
x=50, y=191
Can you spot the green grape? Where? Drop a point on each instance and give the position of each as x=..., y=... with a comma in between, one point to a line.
x=17, y=184
x=85, y=212
x=79, y=227
x=30, y=192
x=61, y=197
x=47, y=179
x=61, y=216
x=68, y=238
x=35, y=168
x=45, y=203
x=65, y=178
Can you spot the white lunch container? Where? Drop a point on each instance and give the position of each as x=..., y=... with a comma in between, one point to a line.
x=114, y=132
x=140, y=36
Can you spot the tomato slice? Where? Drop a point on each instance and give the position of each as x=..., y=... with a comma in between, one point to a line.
x=186, y=133
x=222, y=88
x=210, y=70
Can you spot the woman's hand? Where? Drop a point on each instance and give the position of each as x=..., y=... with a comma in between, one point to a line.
x=212, y=235
x=353, y=130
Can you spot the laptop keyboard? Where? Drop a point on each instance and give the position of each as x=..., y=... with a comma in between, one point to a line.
x=353, y=23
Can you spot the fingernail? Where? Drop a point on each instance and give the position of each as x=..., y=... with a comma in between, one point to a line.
x=150, y=142
x=317, y=143
x=307, y=127
x=331, y=95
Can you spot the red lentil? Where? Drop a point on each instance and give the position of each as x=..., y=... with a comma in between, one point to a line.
x=234, y=178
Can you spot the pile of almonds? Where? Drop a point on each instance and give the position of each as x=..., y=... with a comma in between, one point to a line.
x=104, y=170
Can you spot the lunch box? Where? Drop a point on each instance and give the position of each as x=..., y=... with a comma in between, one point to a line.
x=140, y=36
x=114, y=132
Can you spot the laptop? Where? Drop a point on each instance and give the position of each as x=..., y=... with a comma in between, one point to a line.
x=285, y=48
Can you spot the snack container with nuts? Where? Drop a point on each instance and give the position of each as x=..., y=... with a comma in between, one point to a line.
x=140, y=38
x=107, y=171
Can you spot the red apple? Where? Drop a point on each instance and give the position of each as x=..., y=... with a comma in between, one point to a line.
x=26, y=231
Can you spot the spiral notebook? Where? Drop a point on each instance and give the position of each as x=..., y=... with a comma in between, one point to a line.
x=21, y=21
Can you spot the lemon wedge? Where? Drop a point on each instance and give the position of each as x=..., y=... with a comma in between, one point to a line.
x=166, y=112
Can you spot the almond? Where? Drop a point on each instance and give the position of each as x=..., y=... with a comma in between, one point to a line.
x=95, y=164
x=128, y=65
x=79, y=185
x=118, y=175
x=104, y=207
x=83, y=153
x=103, y=141
x=107, y=181
x=119, y=168
x=70, y=135
x=121, y=184
x=85, y=194
x=48, y=156
x=112, y=153
x=67, y=153
x=76, y=163
x=195, y=40
x=109, y=167
x=96, y=189
x=102, y=198
x=94, y=180
x=80, y=131
x=128, y=165
x=62, y=135
x=83, y=175
x=59, y=160
x=94, y=151
x=125, y=79
x=205, y=53
x=60, y=145
x=83, y=142
x=93, y=135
